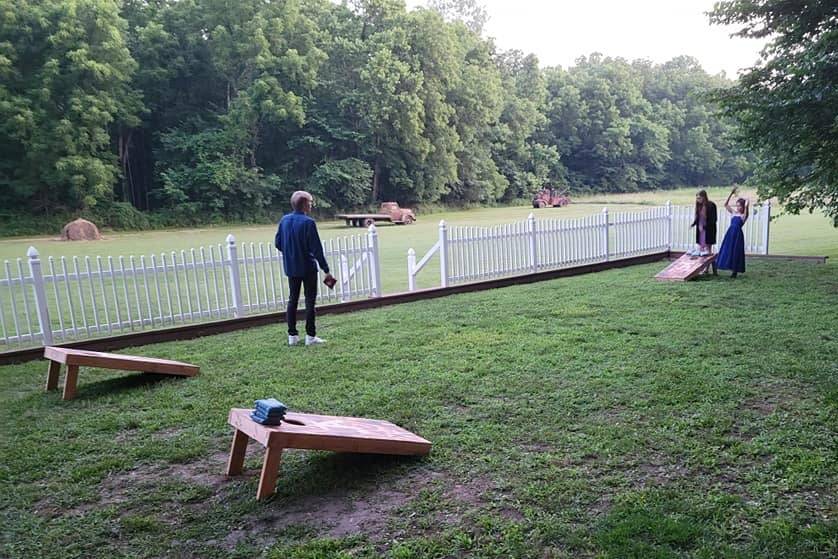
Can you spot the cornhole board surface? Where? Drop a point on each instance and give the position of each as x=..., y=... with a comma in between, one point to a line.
x=686, y=268
x=75, y=358
x=315, y=432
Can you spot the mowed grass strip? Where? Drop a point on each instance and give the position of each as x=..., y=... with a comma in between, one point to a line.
x=606, y=415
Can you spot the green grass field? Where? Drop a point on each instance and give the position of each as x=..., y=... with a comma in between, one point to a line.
x=805, y=234
x=606, y=415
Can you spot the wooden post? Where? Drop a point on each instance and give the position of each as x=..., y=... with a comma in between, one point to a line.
x=40, y=295
x=270, y=471
x=411, y=266
x=52, y=375
x=237, y=451
x=71, y=378
x=235, y=278
x=443, y=254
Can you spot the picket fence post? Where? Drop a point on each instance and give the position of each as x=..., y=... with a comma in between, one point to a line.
x=40, y=295
x=235, y=278
x=411, y=266
x=345, y=285
x=533, y=242
x=605, y=243
x=375, y=264
x=669, y=225
x=443, y=254
x=766, y=220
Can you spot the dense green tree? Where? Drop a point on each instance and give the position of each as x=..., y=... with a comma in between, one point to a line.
x=471, y=12
x=264, y=61
x=624, y=127
x=526, y=164
x=787, y=105
x=205, y=108
x=64, y=75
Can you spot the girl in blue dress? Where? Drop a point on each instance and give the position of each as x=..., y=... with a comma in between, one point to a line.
x=732, y=253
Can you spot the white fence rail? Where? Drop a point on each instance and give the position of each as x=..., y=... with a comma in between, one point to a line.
x=45, y=302
x=478, y=253
x=56, y=300
x=756, y=228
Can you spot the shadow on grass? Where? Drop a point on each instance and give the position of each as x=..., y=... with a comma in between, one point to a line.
x=326, y=473
x=121, y=384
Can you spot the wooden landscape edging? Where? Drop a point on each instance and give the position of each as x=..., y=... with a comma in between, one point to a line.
x=190, y=331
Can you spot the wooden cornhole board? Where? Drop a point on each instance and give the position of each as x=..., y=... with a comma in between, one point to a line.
x=686, y=268
x=315, y=432
x=75, y=358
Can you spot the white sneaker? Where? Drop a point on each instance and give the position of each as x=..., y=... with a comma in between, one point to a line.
x=293, y=340
x=314, y=340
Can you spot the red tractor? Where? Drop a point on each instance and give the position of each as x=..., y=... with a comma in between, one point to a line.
x=550, y=198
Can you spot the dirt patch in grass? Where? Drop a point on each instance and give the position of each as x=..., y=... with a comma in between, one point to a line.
x=122, y=488
x=761, y=405
x=186, y=488
x=378, y=513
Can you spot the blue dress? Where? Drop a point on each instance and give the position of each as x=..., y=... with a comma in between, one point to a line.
x=732, y=253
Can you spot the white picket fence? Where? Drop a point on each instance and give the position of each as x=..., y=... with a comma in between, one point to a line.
x=45, y=302
x=65, y=299
x=477, y=253
x=756, y=229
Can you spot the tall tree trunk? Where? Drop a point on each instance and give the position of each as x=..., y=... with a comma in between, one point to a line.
x=124, y=152
x=376, y=178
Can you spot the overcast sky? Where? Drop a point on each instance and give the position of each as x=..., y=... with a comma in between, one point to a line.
x=559, y=31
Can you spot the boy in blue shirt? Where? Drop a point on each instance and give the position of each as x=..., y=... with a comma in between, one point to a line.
x=298, y=241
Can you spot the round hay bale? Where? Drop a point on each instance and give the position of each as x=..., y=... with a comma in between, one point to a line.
x=80, y=230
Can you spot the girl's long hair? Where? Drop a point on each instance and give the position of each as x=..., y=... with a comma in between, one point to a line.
x=703, y=195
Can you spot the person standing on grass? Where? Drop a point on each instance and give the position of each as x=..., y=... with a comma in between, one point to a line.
x=704, y=222
x=732, y=253
x=298, y=241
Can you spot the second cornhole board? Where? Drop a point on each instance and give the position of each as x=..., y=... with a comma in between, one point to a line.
x=315, y=432
x=686, y=268
x=75, y=358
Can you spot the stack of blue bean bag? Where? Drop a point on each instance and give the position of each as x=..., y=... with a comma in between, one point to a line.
x=269, y=411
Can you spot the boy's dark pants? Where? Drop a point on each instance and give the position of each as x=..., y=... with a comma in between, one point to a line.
x=309, y=283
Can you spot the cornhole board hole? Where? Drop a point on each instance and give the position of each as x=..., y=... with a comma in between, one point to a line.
x=75, y=358
x=686, y=268
x=315, y=432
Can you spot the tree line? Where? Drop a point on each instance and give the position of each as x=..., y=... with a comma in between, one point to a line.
x=207, y=108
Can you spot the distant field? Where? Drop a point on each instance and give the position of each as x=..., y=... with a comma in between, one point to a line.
x=804, y=234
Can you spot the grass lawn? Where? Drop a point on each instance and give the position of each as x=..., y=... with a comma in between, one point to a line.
x=806, y=234
x=606, y=415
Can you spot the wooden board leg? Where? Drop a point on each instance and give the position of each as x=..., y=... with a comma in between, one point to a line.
x=52, y=375
x=70, y=380
x=236, y=460
x=270, y=471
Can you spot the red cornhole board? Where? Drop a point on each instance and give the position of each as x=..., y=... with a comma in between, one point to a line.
x=315, y=432
x=75, y=358
x=686, y=268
